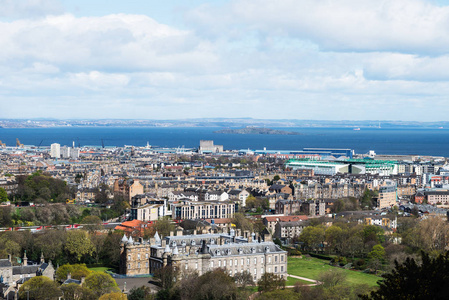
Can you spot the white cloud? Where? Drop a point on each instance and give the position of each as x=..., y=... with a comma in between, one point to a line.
x=412, y=26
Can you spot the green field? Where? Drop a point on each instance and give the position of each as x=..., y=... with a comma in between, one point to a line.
x=291, y=281
x=99, y=269
x=311, y=267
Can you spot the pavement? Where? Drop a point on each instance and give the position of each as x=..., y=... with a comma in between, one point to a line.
x=136, y=282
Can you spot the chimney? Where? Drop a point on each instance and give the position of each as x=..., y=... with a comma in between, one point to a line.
x=179, y=232
x=194, y=232
x=171, y=233
x=69, y=276
x=83, y=279
x=9, y=257
x=164, y=243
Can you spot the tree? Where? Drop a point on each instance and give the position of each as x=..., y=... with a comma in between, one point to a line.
x=140, y=293
x=332, y=277
x=101, y=283
x=312, y=237
x=378, y=252
x=244, y=278
x=164, y=226
x=241, y=222
x=3, y=195
x=410, y=280
x=39, y=288
x=166, y=276
x=78, y=244
x=92, y=223
x=270, y=282
x=76, y=271
x=113, y=296
x=73, y=291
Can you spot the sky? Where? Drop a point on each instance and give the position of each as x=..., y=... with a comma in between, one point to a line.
x=265, y=59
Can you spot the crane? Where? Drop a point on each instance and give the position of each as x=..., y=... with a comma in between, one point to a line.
x=40, y=144
x=18, y=144
x=102, y=143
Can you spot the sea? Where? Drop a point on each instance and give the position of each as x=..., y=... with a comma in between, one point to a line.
x=413, y=141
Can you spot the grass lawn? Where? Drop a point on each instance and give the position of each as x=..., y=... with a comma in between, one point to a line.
x=311, y=267
x=99, y=269
x=291, y=281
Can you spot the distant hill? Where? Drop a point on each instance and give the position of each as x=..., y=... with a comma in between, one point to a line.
x=256, y=130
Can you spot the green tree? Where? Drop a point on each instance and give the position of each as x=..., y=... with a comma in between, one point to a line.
x=241, y=222
x=101, y=283
x=92, y=223
x=410, y=280
x=3, y=195
x=378, y=252
x=113, y=296
x=77, y=271
x=270, y=282
x=39, y=288
x=312, y=236
x=78, y=244
x=73, y=291
x=140, y=293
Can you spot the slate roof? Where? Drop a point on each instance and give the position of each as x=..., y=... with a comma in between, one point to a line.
x=20, y=270
x=5, y=263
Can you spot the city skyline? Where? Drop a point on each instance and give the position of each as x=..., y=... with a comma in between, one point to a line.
x=310, y=60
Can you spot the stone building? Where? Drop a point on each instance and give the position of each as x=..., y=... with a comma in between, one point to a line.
x=202, y=253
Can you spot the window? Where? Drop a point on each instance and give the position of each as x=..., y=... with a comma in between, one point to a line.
x=196, y=265
x=241, y=261
x=219, y=263
x=261, y=260
x=247, y=261
x=269, y=259
x=186, y=266
x=129, y=266
x=138, y=256
x=276, y=258
x=261, y=271
x=282, y=257
x=230, y=262
x=211, y=264
x=129, y=257
x=146, y=255
x=255, y=261
x=224, y=263
x=255, y=271
x=282, y=268
x=138, y=265
x=235, y=262
x=275, y=269
x=146, y=264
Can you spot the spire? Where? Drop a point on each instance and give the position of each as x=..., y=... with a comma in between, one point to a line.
x=124, y=239
x=157, y=238
x=42, y=258
x=175, y=251
x=130, y=240
x=25, y=258
x=167, y=249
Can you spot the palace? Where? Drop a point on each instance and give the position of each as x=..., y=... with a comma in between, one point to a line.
x=204, y=252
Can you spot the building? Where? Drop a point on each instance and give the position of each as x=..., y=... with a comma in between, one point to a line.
x=55, y=150
x=148, y=212
x=216, y=196
x=239, y=195
x=207, y=146
x=387, y=196
x=286, y=231
x=203, y=210
x=271, y=221
x=202, y=253
x=128, y=188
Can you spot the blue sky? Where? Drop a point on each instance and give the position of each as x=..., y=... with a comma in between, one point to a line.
x=298, y=59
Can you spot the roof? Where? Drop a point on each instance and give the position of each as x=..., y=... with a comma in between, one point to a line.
x=20, y=270
x=5, y=263
x=286, y=218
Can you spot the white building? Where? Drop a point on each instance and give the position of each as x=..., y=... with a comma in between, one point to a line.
x=55, y=150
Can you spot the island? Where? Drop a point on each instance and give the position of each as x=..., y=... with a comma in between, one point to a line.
x=256, y=130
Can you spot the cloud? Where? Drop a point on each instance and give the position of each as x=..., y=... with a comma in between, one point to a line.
x=12, y=9
x=406, y=26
